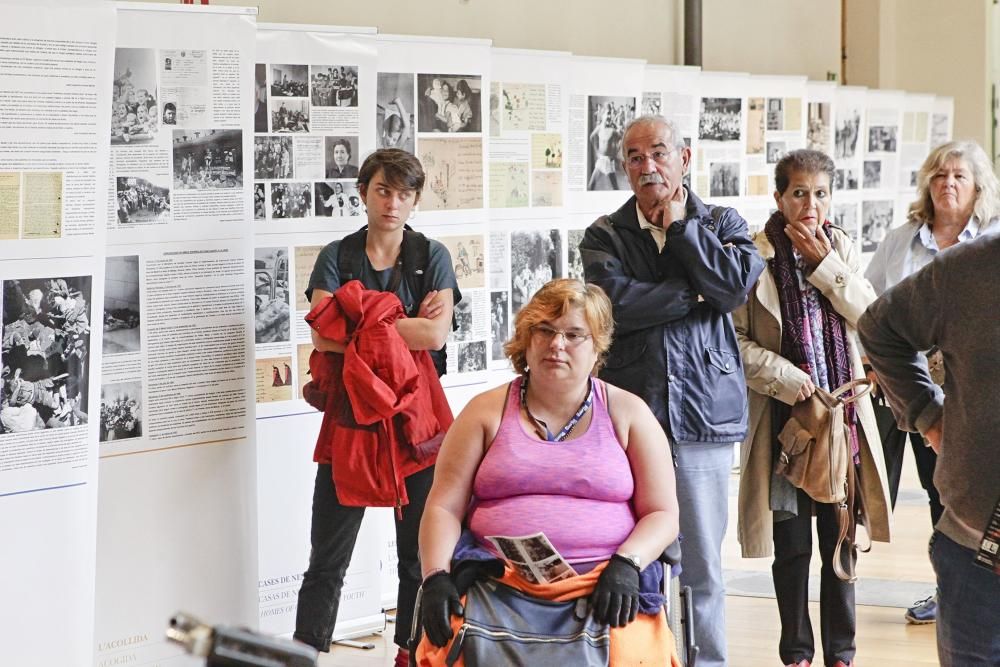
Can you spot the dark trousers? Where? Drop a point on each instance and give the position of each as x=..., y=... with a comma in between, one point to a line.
x=792, y=552
x=334, y=531
x=926, y=459
x=893, y=447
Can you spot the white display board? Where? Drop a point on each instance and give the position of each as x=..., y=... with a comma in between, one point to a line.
x=776, y=124
x=53, y=166
x=316, y=86
x=305, y=195
x=881, y=143
x=177, y=526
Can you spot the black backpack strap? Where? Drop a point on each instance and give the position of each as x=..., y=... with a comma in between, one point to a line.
x=411, y=266
x=350, y=255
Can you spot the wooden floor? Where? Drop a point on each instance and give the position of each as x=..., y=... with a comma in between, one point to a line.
x=891, y=577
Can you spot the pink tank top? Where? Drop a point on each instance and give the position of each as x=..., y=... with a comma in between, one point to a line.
x=578, y=492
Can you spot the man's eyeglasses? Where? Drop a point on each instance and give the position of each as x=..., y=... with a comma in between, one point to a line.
x=637, y=160
x=544, y=334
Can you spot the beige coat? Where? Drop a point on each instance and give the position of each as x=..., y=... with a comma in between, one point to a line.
x=771, y=376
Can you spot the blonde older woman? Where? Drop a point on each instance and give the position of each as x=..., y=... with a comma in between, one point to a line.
x=958, y=198
x=560, y=452
x=797, y=333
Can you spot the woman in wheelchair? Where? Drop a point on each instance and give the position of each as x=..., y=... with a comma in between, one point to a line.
x=558, y=452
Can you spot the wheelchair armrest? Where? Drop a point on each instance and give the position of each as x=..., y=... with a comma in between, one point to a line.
x=672, y=554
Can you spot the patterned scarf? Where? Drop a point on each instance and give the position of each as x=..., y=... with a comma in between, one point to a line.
x=797, y=341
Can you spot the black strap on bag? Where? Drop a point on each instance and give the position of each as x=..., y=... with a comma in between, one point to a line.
x=410, y=268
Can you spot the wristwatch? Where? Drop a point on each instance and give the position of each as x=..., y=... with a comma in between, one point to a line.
x=633, y=560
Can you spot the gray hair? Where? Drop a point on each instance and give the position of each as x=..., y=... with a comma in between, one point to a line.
x=653, y=119
x=987, y=206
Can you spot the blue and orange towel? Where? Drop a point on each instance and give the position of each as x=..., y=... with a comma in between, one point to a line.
x=645, y=641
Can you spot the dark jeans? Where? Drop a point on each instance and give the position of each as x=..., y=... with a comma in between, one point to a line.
x=334, y=532
x=968, y=606
x=792, y=552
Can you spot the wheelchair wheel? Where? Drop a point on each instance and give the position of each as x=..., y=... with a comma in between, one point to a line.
x=674, y=617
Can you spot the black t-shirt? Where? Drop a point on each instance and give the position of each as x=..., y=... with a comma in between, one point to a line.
x=440, y=274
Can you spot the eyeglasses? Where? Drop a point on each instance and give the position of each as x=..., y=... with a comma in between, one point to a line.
x=545, y=334
x=637, y=160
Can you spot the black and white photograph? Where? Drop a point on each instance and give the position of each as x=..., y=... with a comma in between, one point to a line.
x=939, y=129
x=338, y=199
x=508, y=548
x=651, y=104
x=845, y=216
x=45, y=353
x=535, y=259
x=472, y=356
x=449, y=103
x=208, y=159
x=334, y=85
x=724, y=179
x=463, y=321
x=775, y=114
x=289, y=81
x=121, y=305
x=606, y=120
x=775, y=151
x=341, y=155
x=121, y=411
x=818, y=127
x=499, y=324
x=260, y=98
x=289, y=115
x=872, y=175
x=574, y=261
x=291, y=200
x=845, y=179
x=135, y=113
x=882, y=139
x=720, y=119
x=270, y=279
x=846, y=134
x=556, y=570
x=394, y=110
x=876, y=220
x=273, y=158
x=259, y=201
x=142, y=199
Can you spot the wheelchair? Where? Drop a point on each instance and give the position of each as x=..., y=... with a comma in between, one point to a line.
x=678, y=606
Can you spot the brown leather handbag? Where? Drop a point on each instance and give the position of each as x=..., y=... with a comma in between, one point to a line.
x=816, y=457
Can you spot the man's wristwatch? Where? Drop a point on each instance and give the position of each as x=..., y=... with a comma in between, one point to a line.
x=631, y=559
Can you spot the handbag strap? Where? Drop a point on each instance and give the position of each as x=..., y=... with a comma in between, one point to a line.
x=849, y=513
x=847, y=527
x=847, y=386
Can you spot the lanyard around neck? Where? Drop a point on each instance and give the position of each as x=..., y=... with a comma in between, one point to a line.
x=574, y=420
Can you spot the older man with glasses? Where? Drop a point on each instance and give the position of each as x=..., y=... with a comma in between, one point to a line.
x=675, y=268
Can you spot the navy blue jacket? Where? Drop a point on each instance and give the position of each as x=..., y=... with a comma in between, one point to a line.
x=674, y=342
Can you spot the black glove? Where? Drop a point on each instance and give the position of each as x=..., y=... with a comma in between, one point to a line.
x=467, y=572
x=616, y=596
x=438, y=602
